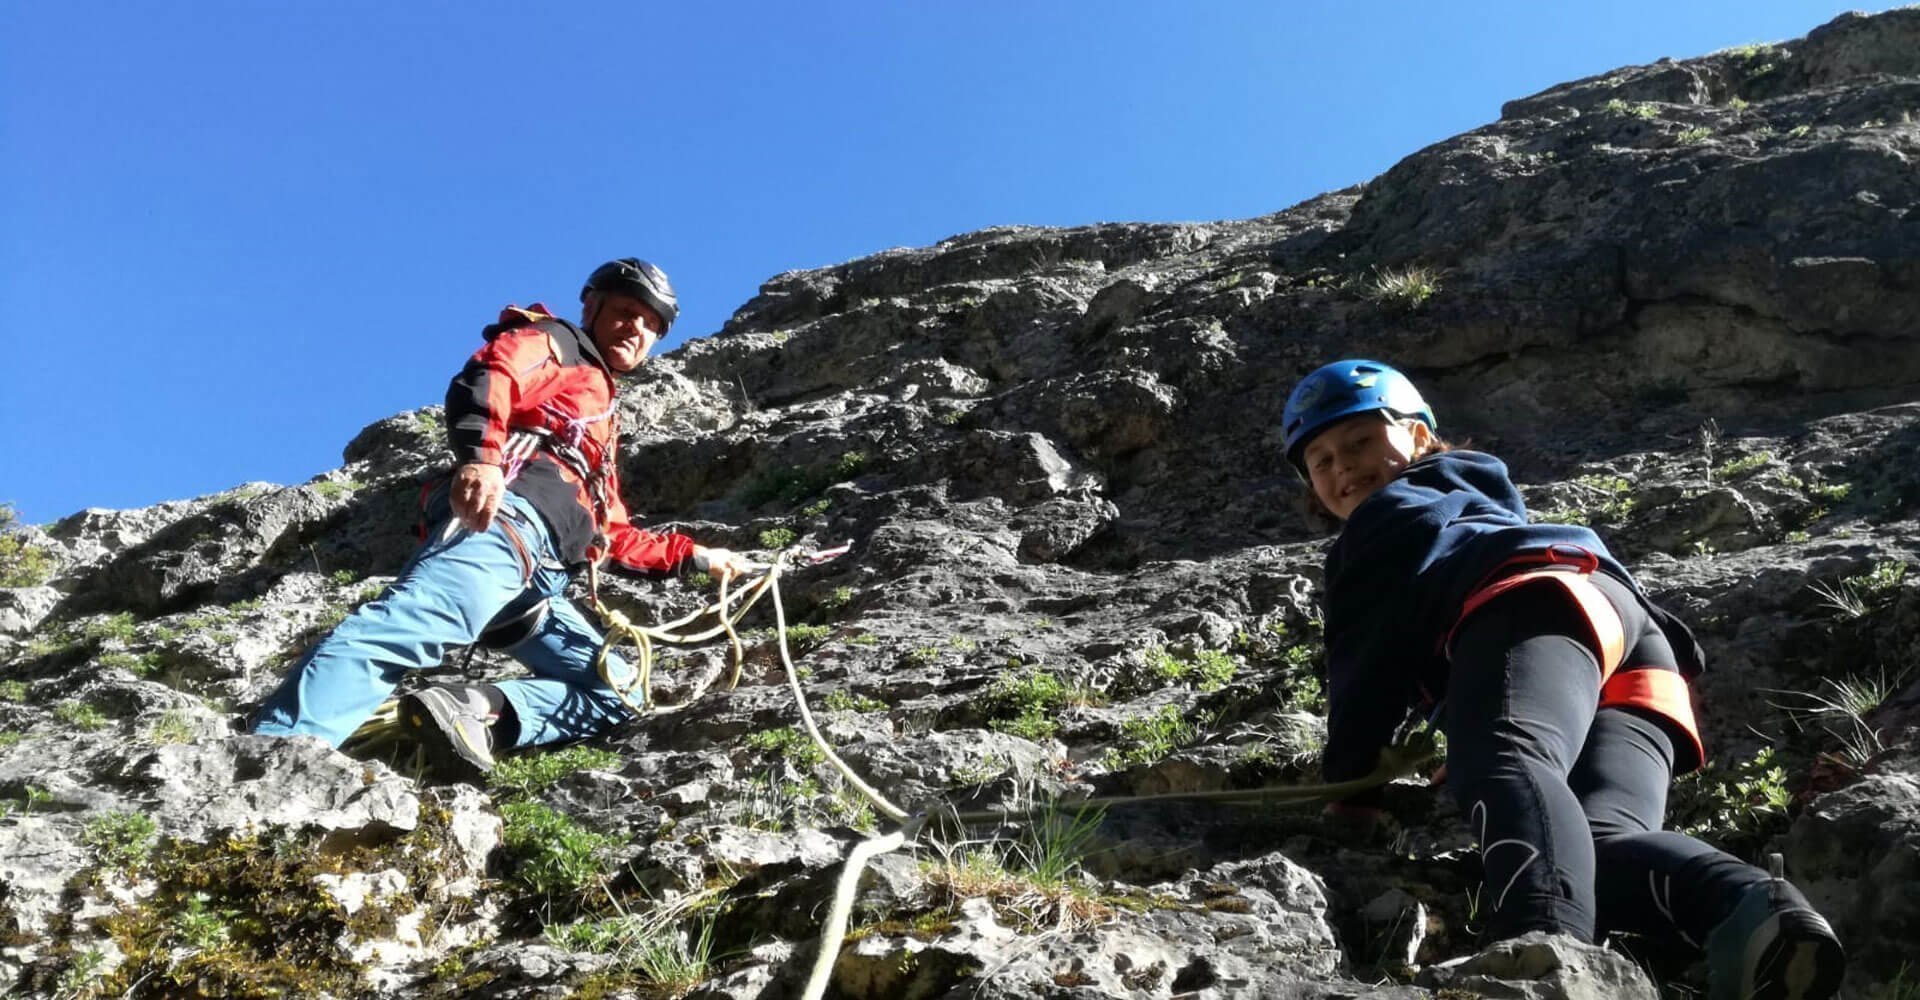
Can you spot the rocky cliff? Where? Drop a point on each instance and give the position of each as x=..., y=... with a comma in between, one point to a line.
x=1683, y=301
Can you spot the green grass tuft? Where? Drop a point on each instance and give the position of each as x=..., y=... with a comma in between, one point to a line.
x=532, y=773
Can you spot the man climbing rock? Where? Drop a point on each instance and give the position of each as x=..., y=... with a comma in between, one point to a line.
x=534, y=496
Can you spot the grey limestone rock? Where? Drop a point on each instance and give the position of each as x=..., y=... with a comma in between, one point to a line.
x=1539, y=966
x=1679, y=300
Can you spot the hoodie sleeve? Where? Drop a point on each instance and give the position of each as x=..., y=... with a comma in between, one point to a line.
x=1368, y=695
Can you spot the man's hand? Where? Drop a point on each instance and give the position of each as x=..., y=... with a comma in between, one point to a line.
x=477, y=489
x=722, y=564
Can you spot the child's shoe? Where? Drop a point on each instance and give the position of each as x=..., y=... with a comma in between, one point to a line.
x=1774, y=946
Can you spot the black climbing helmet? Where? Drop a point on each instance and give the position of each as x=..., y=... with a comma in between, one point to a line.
x=634, y=277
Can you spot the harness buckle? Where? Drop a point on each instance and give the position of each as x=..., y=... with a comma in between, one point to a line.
x=1580, y=557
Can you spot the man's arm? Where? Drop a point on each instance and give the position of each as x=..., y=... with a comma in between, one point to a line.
x=480, y=403
x=636, y=548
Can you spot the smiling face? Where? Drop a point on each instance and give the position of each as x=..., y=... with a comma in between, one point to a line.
x=625, y=329
x=1352, y=459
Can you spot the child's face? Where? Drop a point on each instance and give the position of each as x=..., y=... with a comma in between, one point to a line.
x=1350, y=460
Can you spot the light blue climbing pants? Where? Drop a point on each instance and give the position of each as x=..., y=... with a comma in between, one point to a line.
x=444, y=597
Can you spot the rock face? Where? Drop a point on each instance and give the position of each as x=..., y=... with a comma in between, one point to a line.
x=1682, y=300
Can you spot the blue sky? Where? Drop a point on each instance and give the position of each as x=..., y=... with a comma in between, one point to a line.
x=234, y=233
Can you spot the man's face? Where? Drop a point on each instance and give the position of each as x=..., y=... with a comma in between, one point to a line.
x=625, y=329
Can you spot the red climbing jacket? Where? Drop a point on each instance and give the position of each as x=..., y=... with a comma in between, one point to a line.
x=538, y=400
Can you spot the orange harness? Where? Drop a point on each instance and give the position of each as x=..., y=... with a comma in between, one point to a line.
x=1656, y=688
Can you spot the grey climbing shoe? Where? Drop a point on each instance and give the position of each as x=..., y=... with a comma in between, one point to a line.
x=1774, y=946
x=452, y=722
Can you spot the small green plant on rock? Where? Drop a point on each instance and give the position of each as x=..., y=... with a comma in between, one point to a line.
x=850, y=464
x=842, y=700
x=1055, y=842
x=13, y=690
x=1690, y=136
x=1839, y=708
x=1830, y=492
x=21, y=564
x=1642, y=110
x=1027, y=703
x=554, y=855
x=123, y=839
x=143, y=665
x=530, y=774
x=1151, y=738
x=118, y=627
x=808, y=636
x=653, y=948
x=80, y=715
x=33, y=795
x=788, y=742
x=776, y=538
x=1293, y=652
x=1294, y=738
x=1208, y=669
x=1738, y=805
x=82, y=975
x=201, y=926
x=171, y=727
x=1743, y=465
x=777, y=804
x=1861, y=595
x=1033, y=882
x=334, y=489
x=1406, y=289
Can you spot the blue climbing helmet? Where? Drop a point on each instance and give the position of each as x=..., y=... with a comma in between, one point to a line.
x=1340, y=390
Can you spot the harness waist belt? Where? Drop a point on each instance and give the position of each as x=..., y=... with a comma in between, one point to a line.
x=1570, y=568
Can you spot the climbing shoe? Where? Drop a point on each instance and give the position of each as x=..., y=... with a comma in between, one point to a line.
x=453, y=723
x=1774, y=946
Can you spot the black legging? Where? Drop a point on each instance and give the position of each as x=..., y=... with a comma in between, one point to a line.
x=1566, y=799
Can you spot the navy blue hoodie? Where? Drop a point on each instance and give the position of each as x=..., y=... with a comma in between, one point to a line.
x=1406, y=560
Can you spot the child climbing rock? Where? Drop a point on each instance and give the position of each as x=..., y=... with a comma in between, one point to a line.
x=1561, y=687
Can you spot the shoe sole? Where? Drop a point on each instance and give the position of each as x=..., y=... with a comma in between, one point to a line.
x=448, y=750
x=1802, y=961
